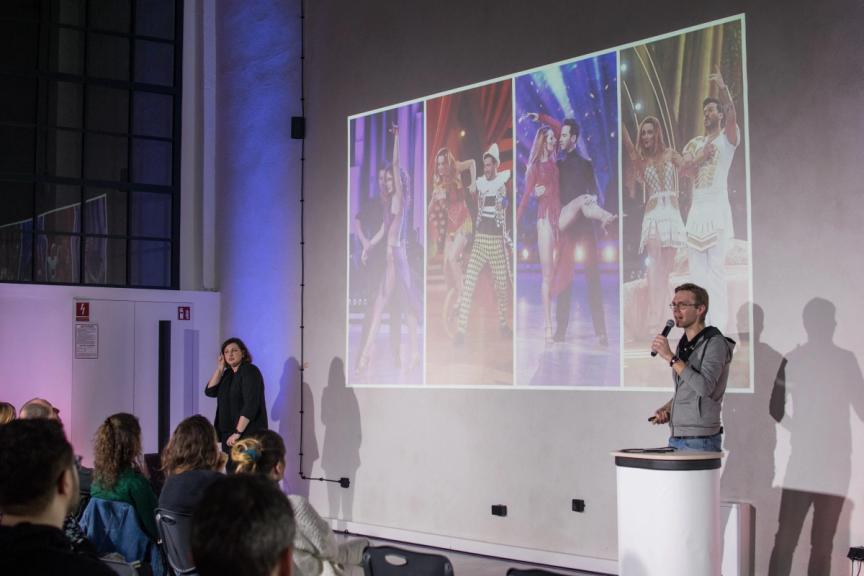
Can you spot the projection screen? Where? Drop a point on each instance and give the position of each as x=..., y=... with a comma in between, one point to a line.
x=528, y=231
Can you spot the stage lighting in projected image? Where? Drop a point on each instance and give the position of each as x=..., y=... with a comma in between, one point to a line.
x=515, y=251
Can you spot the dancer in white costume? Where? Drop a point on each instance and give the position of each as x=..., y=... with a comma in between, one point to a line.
x=656, y=166
x=709, y=223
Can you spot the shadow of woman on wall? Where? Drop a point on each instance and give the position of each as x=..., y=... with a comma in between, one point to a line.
x=286, y=409
x=340, y=415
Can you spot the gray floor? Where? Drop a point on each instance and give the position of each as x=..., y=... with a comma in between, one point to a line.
x=470, y=564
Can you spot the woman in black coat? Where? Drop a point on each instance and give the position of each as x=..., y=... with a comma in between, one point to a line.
x=238, y=388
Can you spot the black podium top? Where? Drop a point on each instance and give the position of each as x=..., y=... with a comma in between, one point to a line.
x=683, y=460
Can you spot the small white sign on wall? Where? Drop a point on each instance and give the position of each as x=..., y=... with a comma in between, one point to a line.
x=86, y=341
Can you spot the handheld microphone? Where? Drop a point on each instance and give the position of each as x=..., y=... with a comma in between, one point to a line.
x=664, y=333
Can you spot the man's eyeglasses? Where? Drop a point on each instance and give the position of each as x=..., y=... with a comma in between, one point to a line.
x=681, y=305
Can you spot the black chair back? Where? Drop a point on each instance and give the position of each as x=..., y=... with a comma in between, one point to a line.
x=174, y=538
x=393, y=561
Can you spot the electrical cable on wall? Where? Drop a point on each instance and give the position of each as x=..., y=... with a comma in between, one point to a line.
x=298, y=130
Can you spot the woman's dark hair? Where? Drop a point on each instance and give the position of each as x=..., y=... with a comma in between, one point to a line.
x=247, y=356
x=193, y=446
x=116, y=448
x=259, y=454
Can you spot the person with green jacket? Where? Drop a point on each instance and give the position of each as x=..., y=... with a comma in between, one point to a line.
x=117, y=472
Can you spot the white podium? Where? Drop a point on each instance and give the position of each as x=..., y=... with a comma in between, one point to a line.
x=668, y=513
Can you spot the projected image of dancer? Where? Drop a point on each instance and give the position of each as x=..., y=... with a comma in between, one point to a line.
x=541, y=182
x=685, y=170
x=469, y=263
x=385, y=196
x=448, y=210
x=490, y=246
x=709, y=223
x=397, y=276
x=577, y=188
x=567, y=275
x=367, y=222
x=656, y=166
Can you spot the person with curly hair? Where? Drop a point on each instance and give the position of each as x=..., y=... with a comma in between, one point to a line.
x=191, y=460
x=118, y=469
x=316, y=550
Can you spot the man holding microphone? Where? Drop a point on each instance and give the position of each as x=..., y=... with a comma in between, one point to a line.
x=700, y=368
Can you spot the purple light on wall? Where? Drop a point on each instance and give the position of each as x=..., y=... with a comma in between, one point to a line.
x=257, y=183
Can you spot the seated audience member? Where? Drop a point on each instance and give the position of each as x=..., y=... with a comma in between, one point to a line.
x=262, y=454
x=39, y=408
x=117, y=470
x=7, y=413
x=38, y=489
x=192, y=460
x=316, y=550
x=243, y=525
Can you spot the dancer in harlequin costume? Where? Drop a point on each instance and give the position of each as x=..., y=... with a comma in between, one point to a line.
x=490, y=244
x=397, y=275
x=448, y=211
x=656, y=166
x=709, y=223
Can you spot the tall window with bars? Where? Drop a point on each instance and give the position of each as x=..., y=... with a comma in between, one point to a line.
x=90, y=94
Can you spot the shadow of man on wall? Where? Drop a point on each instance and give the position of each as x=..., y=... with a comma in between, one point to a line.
x=340, y=415
x=822, y=382
x=751, y=432
x=286, y=409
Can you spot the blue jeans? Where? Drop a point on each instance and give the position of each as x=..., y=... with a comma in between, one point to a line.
x=706, y=444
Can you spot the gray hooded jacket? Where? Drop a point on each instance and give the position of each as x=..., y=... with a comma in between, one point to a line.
x=699, y=389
